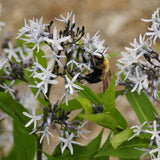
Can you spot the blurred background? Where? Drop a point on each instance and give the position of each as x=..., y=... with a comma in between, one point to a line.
x=118, y=22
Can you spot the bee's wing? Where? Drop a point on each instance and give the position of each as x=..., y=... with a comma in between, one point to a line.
x=106, y=79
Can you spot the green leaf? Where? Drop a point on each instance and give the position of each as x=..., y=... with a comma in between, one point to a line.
x=86, y=104
x=47, y=155
x=103, y=119
x=126, y=150
x=121, y=137
x=120, y=92
x=94, y=145
x=122, y=123
x=72, y=105
x=24, y=144
x=158, y=46
x=113, y=54
x=158, y=95
x=88, y=94
x=39, y=55
x=108, y=98
x=142, y=106
x=13, y=109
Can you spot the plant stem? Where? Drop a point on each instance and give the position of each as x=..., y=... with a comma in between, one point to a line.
x=39, y=149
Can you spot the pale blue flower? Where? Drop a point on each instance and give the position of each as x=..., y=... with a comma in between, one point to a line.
x=34, y=118
x=67, y=142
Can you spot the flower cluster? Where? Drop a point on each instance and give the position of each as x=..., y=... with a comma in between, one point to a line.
x=140, y=65
x=53, y=116
x=13, y=62
x=153, y=129
x=69, y=44
x=66, y=53
x=154, y=30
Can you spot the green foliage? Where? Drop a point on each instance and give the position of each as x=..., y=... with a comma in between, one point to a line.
x=142, y=106
x=111, y=117
x=13, y=109
x=103, y=119
x=126, y=150
x=89, y=94
x=72, y=105
x=121, y=137
x=108, y=98
x=39, y=56
x=86, y=104
x=113, y=54
x=122, y=123
x=24, y=144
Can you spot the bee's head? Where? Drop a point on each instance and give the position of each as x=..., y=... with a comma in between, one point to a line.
x=98, y=58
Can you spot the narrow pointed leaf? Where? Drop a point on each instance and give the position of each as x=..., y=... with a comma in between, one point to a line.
x=102, y=119
x=24, y=144
x=142, y=106
x=88, y=94
x=72, y=105
x=113, y=54
x=85, y=104
x=39, y=56
x=108, y=99
x=14, y=109
x=122, y=123
x=121, y=137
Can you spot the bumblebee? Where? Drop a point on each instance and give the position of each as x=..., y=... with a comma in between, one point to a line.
x=100, y=66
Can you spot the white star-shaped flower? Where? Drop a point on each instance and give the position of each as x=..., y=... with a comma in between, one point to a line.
x=154, y=133
x=8, y=89
x=64, y=19
x=45, y=77
x=137, y=130
x=54, y=55
x=34, y=118
x=55, y=41
x=80, y=131
x=12, y=52
x=70, y=83
x=140, y=82
x=34, y=32
x=152, y=154
x=67, y=142
x=72, y=62
x=3, y=61
x=154, y=31
x=140, y=47
x=44, y=133
x=66, y=94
